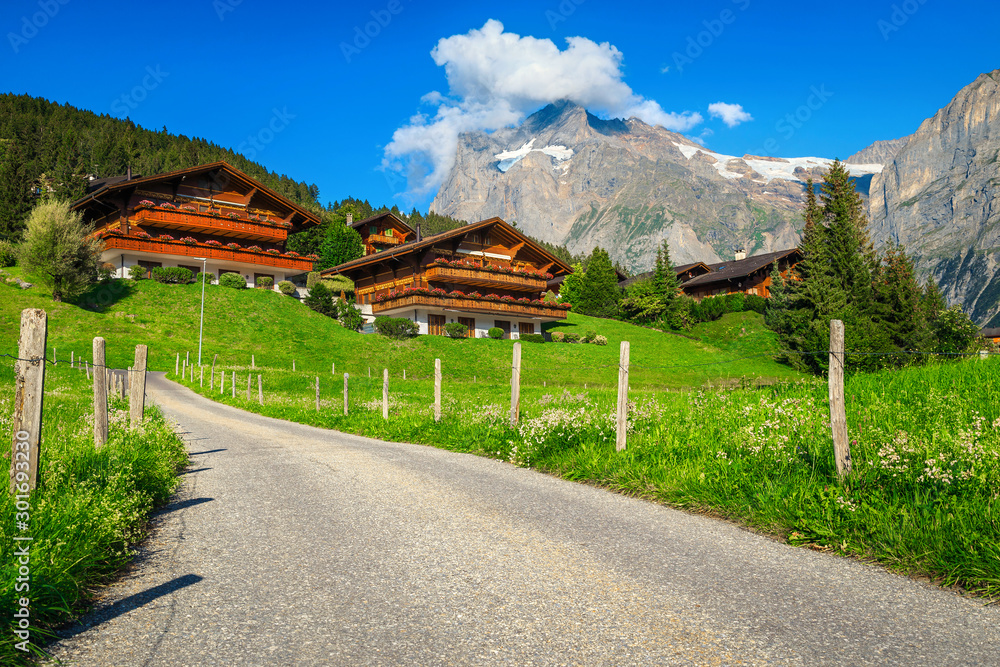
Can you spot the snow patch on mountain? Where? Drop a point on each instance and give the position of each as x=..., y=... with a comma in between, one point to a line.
x=507, y=159
x=773, y=168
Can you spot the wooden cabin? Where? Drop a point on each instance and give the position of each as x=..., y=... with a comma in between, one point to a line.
x=212, y=212
x=684, y=272
x=382, y=232
x=483, y=275
x=751, y=275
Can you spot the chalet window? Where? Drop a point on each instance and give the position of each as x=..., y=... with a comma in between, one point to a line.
x=149, y=266
x=487, y=240
x=388, y=232
x=505, y=325
x=527, y=328
x=470, y=323
x=474, y=238
x=373, y=229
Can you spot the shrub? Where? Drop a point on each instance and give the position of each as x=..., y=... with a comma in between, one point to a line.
x=204, y=275
x=8, y=254
x=599, y=340
x=338, y=284
x=233, y=280
x=286, y=288
x=312, y=279
x=105, y=272
x=496, y=333
x=172, y=275
x=550, y=297
x=757, y=304
x=456, y=330
x=571, y=338
x=558, y=336
x=397, y=328
x=321, y=300
x=265, y=282
x=588, y=337
x=349, y=316
x=734, y=303
x=533, y=338
x=136, y=272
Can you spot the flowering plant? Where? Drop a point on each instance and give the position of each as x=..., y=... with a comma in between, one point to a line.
x=437, y=291
x=233, y=246
x=168, y=205
x=141, y=234
x=272, y=251
x=474, y=295
x=166, y=237
x=564, y=306
x=507, y=298
x=492, y=297
x=213, y=242
x=233, y=216
x=524, y=299
x=292, y=253
x=283, y=223
x=190, y=209
x=254, y=248
x=145, y=203
x=313, y=256
x=457, y=294
x=188, y=240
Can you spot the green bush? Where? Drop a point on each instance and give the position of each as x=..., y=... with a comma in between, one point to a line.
x=265, y=282
x=172, y=275
x=136, y=272
x=349, y=316
x=734, y=303
x=588, y=337
x=397, y=328
x=533, y=338
x=571, y=337
x=550, y=297
x=321, y=300
x=599, y=340
x=496, y=333
x=206, y=276
x=8, y=254
x=757, y=304
x=338, y=284
x=558, y=336
x=233, y=280
x=286, y=288
x=312, y=279
x=456, y=330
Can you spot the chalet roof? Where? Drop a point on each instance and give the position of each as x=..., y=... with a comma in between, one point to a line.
x=119, y=183
x=98, y=183
x=683, y=268
x=739, y=268
x=380, y=216
x=990, y=332
x=429, y=241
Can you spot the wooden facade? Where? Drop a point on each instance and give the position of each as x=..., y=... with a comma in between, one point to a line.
x=483, y=275
x=749, y=276
x=212, y=212
x=382, y=232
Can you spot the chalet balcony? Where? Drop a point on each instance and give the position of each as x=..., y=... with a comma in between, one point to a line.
x=469, y=305
x=211, y=224
x=379, y=239
x=479, y=277
x=212, y=252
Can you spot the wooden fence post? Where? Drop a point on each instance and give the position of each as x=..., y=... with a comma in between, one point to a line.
x=385, y=393
x=622, y=424
x=86, y=368
x=54, y=360
x=222, y=383
x=437, y=390
x=293, y=364
x=333, y=368
x=29, y=394
x=253, y=361
x=345, y=394
x=404, y=374
x=232, y=385
x=317, y=394
x=177, y=365
x=137, y=386
x=260, y=390
x=71, y=359
x=838, y=411
x=184, y=369
x=187, y=358
x=100, y=395
x=211, y=380
x=201, y=380
x=249, y=377
x=515, y=385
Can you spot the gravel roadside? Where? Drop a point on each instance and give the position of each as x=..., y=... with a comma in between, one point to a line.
x=292, y=545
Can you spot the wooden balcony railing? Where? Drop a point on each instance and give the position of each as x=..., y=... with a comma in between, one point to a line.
x=210, y=224
x=212, y=252
x=384, y=240
x=484, y=278
x=470, y=305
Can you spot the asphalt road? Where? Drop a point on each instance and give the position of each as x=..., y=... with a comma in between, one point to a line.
x=291, y=545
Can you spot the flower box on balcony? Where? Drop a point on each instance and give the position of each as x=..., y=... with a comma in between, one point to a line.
x=187, y=240
x=272, y=251
x=167, y=205
x=213, y=242
x=254, y=248
x=233, y=246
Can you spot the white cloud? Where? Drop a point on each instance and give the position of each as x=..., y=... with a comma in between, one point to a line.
x=496, y=79
x=731, y=114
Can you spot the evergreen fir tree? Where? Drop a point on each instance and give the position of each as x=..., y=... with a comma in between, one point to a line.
x=600, y=294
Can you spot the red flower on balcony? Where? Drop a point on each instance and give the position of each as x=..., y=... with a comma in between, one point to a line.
x=437, y=291
x=292, y=253
x=189, y=209
x=167, y=205
x=233, y=216
x=233, y=246
x=272, y=251
x=145, y=203
x=254, y=248
x=283, y=223
x=474, y=295
x=507, y=298
x=564, y=306
x=213, y=242
x=166, y=237
x=524, y=299
x=187, y=240
x=456, y=294
x=313, y=256
x=139, y=234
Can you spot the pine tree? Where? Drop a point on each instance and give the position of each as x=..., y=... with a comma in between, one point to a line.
x=665, y=283
x=572, y=286
x=600, y=294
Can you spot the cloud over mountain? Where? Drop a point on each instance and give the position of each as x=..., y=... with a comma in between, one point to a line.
x=496, y=78
x=731, y=114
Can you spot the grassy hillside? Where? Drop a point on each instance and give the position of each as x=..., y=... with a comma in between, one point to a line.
x=279, y=330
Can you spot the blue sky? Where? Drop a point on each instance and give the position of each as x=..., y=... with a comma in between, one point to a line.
x=323, y=100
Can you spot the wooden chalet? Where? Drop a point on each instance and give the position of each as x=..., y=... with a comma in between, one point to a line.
x=990, y=335
x=483, y=275
x=382, y=232
x=751, y=275
x=684, y=273
x=212, y=211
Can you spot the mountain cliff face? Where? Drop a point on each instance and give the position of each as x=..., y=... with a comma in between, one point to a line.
x=568, y=177
x=879, y=152
x=937, y=198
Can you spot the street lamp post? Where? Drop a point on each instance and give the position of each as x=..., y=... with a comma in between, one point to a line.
x=201, y=328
